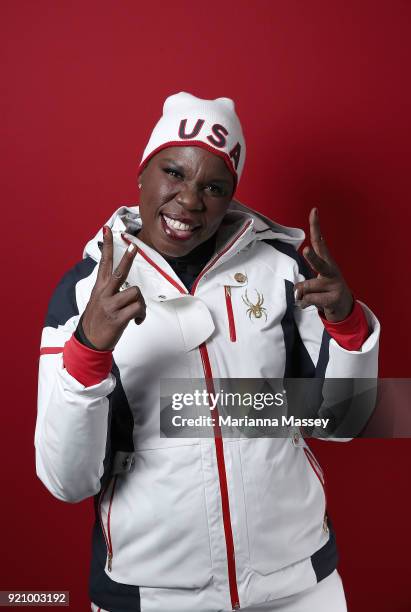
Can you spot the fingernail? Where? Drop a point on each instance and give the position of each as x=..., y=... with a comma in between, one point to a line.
x=296, y=295
x=105, y=230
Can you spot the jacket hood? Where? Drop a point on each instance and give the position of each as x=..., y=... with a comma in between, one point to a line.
x=127, y=218
x=265, y=228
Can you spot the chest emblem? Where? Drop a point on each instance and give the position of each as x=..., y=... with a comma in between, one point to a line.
x=255, y=310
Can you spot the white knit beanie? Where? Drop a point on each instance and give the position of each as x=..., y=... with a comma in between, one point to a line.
x=191, y=121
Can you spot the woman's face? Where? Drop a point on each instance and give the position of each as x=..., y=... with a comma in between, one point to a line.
x=185, y=192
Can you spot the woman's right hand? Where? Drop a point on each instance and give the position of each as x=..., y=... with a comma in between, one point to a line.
x=109, y=310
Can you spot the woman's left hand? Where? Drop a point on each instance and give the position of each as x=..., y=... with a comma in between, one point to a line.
x=329, y=291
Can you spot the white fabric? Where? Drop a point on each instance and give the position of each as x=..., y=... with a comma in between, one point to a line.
x=325, y=596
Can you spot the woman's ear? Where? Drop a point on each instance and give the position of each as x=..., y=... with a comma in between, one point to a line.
x=140, y=179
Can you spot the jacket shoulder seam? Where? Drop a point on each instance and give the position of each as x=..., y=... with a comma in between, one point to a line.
x=296, y=256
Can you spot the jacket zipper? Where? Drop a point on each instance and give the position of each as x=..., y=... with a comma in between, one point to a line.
x=107, y=534
x=217, y=257
x=218, y=440
x=225, y=504
x=320, y=475
x=230, y=313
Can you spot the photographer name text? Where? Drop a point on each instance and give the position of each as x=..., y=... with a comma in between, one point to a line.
x=230, y=421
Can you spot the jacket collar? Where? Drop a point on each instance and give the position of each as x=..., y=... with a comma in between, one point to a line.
x=259, y=227
x=240, y=227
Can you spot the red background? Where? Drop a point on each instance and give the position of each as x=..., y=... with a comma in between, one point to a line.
x=323, y=92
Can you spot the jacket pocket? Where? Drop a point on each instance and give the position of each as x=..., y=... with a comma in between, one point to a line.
x=105, y=509
x=285, y=504
x=158, y=534
x=314, y=464
x=320, y=475
x=230, y=313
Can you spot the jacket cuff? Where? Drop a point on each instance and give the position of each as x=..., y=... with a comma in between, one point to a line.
x=88, y=366
x=81, y=336
x=351, y=332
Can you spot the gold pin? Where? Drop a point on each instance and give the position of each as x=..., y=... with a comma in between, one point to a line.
x=240, y=277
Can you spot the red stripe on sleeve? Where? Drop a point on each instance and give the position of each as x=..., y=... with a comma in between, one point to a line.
x=51, y=350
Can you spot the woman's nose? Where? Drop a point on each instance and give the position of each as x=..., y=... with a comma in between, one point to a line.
x=189, y=198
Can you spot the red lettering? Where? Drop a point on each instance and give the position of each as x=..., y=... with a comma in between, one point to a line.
x=235, y=154
x=182, y=129
x=219, y=131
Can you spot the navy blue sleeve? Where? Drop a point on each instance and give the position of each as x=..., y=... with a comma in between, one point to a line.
x=63, y=305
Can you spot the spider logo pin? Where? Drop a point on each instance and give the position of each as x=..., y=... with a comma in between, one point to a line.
x=257, y=310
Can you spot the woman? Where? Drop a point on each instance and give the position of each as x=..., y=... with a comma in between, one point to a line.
x=190, y=285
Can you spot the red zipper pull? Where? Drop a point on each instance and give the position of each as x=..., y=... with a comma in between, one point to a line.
x=230, y=313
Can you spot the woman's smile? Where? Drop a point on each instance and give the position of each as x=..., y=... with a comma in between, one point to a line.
x=178, y=228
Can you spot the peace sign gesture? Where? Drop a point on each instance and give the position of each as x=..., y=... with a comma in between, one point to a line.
x=109, y=310
x=329, y=291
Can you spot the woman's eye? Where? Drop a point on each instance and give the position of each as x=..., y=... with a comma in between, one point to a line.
x=215, y=189
x=172, y=172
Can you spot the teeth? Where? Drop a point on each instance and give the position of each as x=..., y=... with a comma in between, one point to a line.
x=176, y=224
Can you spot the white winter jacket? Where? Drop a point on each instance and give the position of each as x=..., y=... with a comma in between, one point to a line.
x=193, y=524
